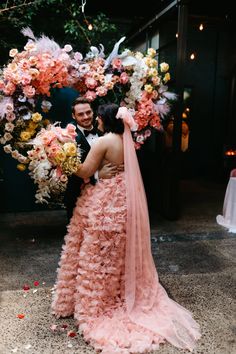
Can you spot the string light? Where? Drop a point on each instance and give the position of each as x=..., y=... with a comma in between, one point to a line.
x=176, y=35
x=89, y=25
x=192, y=56
x=201, y=27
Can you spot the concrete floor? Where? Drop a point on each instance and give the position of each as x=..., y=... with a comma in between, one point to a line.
x=194, y=256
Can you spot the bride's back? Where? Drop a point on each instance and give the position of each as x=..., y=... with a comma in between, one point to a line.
x=114, y=149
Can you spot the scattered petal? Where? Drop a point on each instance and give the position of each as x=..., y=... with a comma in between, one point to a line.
x=71, y=334
x=43, y=283
x=36, y=283
x=53, y=327
x=28, y=346
x=26, y=287
x=24, y=295
x=21, y=316
x=14, y=350
x=64, y=326
x=69, y=345
x=34, y=291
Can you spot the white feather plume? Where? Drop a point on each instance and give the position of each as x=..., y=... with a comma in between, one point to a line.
x=27, y=32
x=114, y=52
x=170, y=95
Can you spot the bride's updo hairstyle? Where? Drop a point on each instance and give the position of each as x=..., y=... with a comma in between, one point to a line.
x=111, y=124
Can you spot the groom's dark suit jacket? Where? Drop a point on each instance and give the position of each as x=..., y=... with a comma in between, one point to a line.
x=74, y=183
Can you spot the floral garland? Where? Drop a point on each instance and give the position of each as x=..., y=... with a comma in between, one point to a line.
x=130, y=79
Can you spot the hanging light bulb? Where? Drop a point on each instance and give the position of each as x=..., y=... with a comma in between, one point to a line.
x=176, y=35
x=192, y=56
x=201, y=27
x=90, y=27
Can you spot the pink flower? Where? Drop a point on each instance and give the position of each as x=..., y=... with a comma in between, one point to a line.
x=147, y=133
x=91, y=83
x=116, y=63
x=78, y=56
x=71, y=129
x=9, y=89
x=10, y=117
x=90, y=95
x=124, y=78
x=101, y=91
x=29, y=91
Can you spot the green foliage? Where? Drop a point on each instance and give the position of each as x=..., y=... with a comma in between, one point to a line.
x=62, y=20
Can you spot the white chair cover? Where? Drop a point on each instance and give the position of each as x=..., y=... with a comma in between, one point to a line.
x=228, y=219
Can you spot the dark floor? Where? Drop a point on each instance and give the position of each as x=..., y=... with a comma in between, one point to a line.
x=194, y=256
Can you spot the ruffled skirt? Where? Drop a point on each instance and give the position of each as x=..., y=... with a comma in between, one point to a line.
x=90, y=283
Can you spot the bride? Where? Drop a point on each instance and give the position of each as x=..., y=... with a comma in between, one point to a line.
x=106, y=277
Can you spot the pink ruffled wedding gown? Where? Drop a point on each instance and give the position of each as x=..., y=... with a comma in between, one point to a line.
x=107, y=278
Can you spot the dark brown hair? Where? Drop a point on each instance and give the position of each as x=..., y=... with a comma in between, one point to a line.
x=107, y=112
x=79, y=100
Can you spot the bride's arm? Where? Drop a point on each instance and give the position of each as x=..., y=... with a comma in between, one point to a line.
x=93, y=159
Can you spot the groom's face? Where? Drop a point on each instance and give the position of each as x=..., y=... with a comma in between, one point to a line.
x=83, y=115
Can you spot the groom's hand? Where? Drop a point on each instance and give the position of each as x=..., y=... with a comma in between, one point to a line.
x=109, y=170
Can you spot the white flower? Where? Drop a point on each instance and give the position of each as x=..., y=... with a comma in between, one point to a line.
x=7, y=148
x=7, y=136
x=67, y=48
x=27, y=116
x=9, y=127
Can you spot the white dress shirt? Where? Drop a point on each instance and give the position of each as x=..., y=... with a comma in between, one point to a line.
x=91, y=138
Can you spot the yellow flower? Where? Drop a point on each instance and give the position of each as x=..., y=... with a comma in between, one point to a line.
x=70, y=149
x=32, y=125
x=151, y=52
x=148, y=88
x=148, y=61
x=31, y=131
x=152, y=72
x=36, y=117
x=21, y=167
x=60, y=157
x=25, y=135
x=164, y=67
x=153, y=63
x=166, y=77
x=13, y=67
x=138, y=55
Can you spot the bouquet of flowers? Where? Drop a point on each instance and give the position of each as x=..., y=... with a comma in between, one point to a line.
x=53, y=157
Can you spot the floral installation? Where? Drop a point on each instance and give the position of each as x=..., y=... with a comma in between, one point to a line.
x=130, y=79
x=54, y=155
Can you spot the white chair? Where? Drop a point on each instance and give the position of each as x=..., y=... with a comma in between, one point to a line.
x=228, y=219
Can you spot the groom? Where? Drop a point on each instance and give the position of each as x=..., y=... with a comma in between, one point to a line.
x=87, y=134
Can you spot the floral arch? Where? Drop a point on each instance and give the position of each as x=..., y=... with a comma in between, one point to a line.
x=130, y=79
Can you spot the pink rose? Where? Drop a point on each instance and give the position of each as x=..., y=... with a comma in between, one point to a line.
x=124, y=78
x=116, y=63
x=91, y=83
x=9, y=89
x=101, y=91
x=90, y=95
x=78, y=56
x=29, y=91
x=10, y=117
